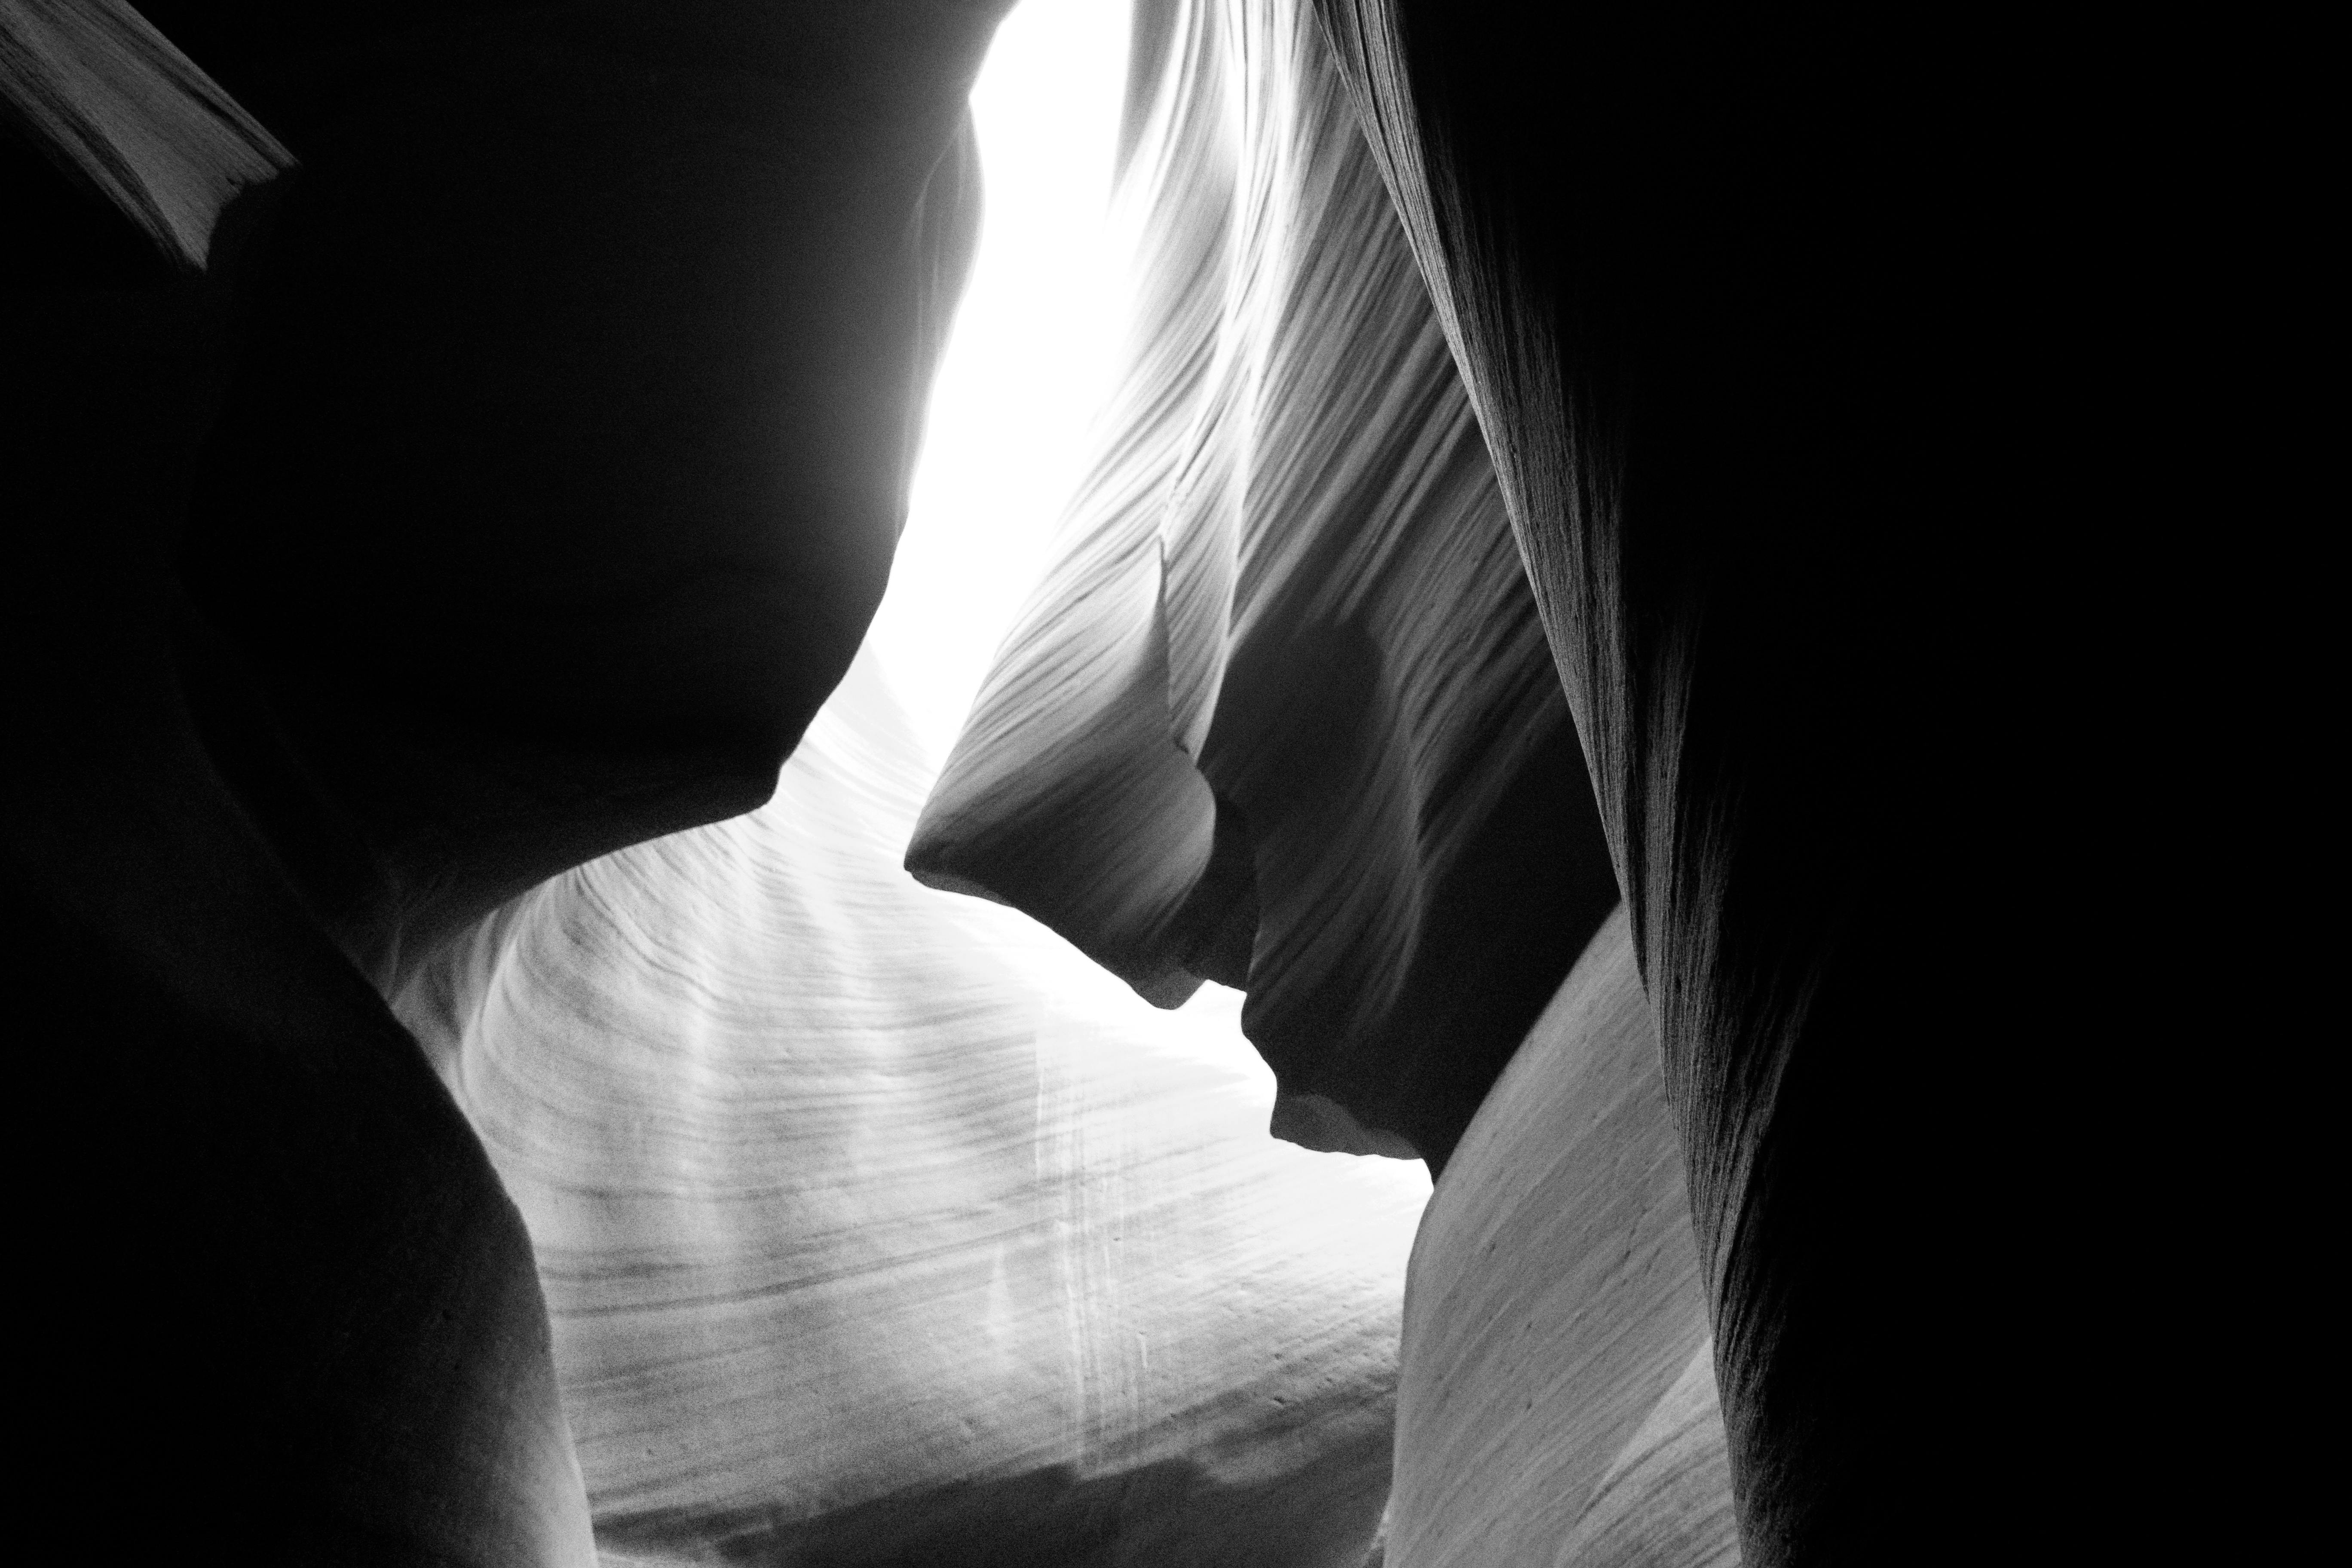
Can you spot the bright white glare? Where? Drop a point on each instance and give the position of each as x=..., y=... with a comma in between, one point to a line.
x=1026, y=367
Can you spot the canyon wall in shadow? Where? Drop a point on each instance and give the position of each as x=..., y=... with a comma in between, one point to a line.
x=453, y=455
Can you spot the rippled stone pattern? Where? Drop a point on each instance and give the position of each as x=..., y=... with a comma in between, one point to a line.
x=877, y=1226
x=1263, y=726
x=1755, y=307
x=575, y=409
x=141, y=122
x=1557, y=1402
x=1280, y=712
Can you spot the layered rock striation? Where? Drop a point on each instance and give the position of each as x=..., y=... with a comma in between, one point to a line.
x=1280, y=713
x=1747, y=304
x=1556, y=1402
x=1558, y=456
x=509, y=484
x=873, y=1234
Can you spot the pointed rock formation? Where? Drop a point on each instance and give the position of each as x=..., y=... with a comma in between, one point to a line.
x=1556, y=1404
x=1280, y=714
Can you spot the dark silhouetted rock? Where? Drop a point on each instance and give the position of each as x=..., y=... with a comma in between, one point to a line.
x=1741, y=296
x=547, y=436
x=570, y=440
x=1562, y=451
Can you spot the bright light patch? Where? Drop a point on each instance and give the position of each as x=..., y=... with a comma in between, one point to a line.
x=1028, y=364
x=1027, y=368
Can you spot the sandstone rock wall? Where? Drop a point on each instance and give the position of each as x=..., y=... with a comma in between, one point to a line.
x=1743, y=300
x=1280, y=713
x=1556, y=1402
x=875, y=1229
x=1565, y=452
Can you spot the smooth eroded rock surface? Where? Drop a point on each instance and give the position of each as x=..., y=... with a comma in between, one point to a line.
x=1755, y=310
x=570, y=427
x=510, y=484
x=275, y=1299
x=1556, y=1403
x=1280, y=712
x=870, y=1235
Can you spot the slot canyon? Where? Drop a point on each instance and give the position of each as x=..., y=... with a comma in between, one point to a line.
x=1456, y=992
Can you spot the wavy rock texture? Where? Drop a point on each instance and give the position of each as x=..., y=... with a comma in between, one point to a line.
x=94, y=81
x=1280, y=712
x=574, y=384
x=1752, y=308
x=547, y=439
x=1666, y=1497
x=867, y=1239
x=1556, y=1402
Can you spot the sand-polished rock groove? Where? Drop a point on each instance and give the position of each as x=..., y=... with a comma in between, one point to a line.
x=1754, y=309
x=866, y=1241
x=1280, y=711
x=506, y=481
x=1557, y=1402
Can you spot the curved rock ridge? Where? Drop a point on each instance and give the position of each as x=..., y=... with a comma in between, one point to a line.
x=1280, y=712
x=1758, y=310
x=279, y=1237
x=1557, y=1399
x=877, y=1227
x=93, y=82
x=568, y=443
x=546, y=435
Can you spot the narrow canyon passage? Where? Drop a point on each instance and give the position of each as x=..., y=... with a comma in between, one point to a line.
x=1098, y=783
x=876, y=1224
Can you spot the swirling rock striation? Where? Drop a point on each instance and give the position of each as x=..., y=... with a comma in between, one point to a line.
x=134, y=121
x=281, y=1301
x=513, y=484
x=1280, y=713
x=1748, y=303
x=865, y=1243
x=1557, y=1401
x=534, y=456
